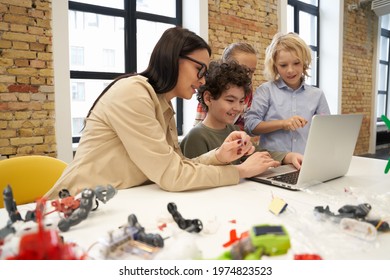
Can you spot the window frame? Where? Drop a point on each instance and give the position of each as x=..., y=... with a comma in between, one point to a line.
x=386, y=34
x=130, y=15
x=299, y=6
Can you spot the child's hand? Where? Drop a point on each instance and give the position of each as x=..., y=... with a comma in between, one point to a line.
x=293, y=158
x=237, y=144
x=294, y=123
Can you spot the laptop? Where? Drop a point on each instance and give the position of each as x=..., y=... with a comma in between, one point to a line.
x=328, y=153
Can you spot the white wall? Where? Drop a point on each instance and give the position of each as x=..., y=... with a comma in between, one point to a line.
x=331, y=49
x=62, y=80
x=195, y=18
x=282, y=15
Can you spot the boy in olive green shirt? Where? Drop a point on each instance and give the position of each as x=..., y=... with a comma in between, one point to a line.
x=223, y=96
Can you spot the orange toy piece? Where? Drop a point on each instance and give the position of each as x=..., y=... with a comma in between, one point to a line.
x=307, y=257
x=66, y=205
x=234, y=237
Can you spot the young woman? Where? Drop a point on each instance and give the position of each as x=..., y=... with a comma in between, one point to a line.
x=130, y=135
x=282, y=108
x=223, y=96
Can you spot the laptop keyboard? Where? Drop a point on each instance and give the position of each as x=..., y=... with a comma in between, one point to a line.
x=289, y=178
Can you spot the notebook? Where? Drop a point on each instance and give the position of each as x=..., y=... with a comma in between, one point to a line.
x=328, y=153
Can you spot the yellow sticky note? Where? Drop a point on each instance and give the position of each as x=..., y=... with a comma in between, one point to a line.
x=277, y=205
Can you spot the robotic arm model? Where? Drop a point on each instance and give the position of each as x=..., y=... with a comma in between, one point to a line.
x=88, y=197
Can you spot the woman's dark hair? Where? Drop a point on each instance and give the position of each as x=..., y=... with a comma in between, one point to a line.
x=163, y=69
x=223, y=75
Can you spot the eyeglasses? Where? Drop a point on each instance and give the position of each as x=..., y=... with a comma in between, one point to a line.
x=202, y=72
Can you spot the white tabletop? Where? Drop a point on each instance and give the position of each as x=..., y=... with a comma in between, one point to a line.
x=242, y=206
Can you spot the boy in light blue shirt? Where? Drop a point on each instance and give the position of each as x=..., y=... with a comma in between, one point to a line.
x=283, y=107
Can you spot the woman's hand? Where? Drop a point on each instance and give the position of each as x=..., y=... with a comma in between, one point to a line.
x=236, y=145
x=255, y=164
x=294, y=158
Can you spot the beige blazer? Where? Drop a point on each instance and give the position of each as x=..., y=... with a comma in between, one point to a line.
x=130, y=139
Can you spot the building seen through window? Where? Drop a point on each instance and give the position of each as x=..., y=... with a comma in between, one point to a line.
x=108, y=39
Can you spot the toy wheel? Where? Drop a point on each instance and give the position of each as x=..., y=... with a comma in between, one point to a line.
x=63, y=225
x=172, y=208
x=198, y=225
x=132, y=220
x=31, y=216
x=158, y=241
x=63, y=193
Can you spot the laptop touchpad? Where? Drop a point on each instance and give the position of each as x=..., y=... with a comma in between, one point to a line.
x=271, y=172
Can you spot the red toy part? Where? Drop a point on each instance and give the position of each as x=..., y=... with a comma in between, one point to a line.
x=44, y=244
x=162, y=226
x=307, y=257
x=65, y=205
x=234, y=237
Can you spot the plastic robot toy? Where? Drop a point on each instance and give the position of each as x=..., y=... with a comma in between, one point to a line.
x=194, y=225
x=353, y=220
x=358, y=212
x=139, y=233
x=130, y=241
x=35, y=241
x=262, y=240
x=66, y=204
x=15, y=217
x=88, y=202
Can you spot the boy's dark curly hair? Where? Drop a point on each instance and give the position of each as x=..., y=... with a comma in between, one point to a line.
x=223, y=75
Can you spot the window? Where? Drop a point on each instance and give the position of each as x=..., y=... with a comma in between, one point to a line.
x=77, y=56
x=78, y=91
x=110, y=38
x=77, y=126
x=303, y=18
x=92, y=20
x=108, y=58
x=383, y=100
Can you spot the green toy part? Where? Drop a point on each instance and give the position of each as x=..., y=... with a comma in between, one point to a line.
x=263, y=240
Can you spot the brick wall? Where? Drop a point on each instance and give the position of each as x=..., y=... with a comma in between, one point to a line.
x=250, y=21
x=360, y=28
x=26, y=79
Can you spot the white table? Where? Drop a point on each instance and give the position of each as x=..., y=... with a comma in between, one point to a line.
x=247, y=204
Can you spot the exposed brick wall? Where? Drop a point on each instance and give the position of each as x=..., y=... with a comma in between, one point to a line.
x=250, y=21
x=360, y=28
x=26, y=79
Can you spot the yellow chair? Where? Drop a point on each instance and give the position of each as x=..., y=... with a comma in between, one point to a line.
x=30, y=177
